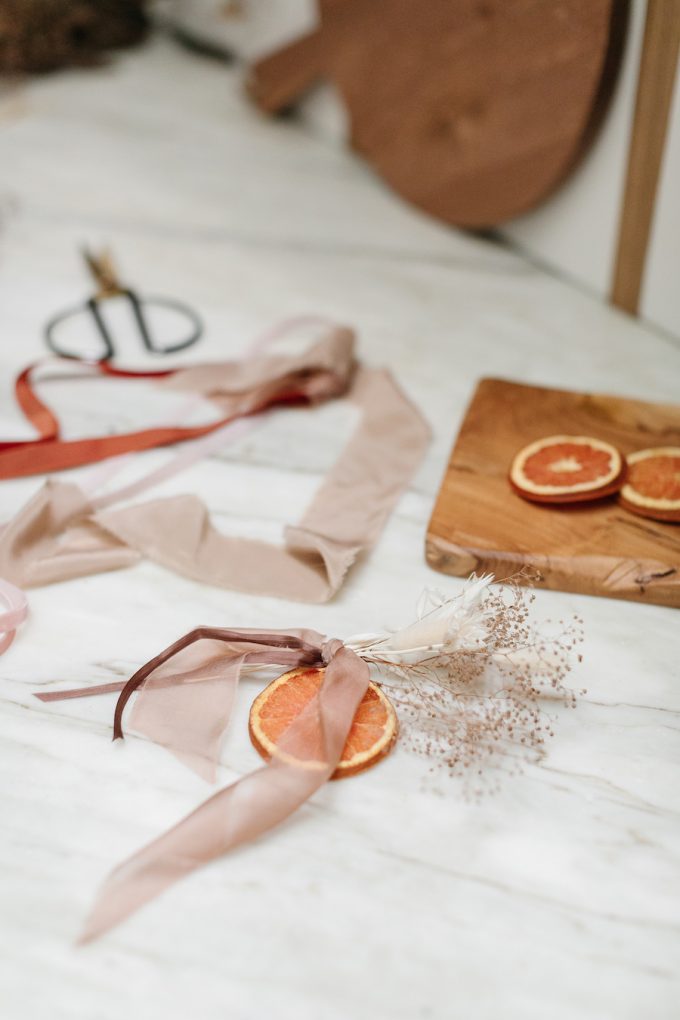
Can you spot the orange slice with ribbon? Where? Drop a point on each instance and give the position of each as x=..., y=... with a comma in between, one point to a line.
x=567, y=469
x=652, y=486
x=372, y=736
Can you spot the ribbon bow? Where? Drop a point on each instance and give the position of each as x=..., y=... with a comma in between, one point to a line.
x=185, y=698
x=472, y=645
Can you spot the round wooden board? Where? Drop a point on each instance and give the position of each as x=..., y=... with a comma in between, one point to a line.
x=475, y=110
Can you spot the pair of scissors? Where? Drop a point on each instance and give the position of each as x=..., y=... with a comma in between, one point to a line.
x=108, y=285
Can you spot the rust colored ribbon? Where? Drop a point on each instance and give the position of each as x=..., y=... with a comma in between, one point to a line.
x=61, y=533
x=184, y=701
x=239, y=389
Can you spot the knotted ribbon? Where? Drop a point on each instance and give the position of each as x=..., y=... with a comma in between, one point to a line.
x=63, y=533
x=184, y=702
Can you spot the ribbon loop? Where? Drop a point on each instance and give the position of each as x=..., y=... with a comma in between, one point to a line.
x=60, y=534
x=237, y=388
x=330, y=648
x=256, y=803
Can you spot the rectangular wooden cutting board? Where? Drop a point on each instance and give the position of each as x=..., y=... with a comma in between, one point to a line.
x=480, y=524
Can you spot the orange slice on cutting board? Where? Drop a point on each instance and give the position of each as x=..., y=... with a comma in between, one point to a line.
x=371, y=737
x=567, y=469
x=652, y=486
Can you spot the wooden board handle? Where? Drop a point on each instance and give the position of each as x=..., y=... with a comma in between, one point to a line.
x=277, y=81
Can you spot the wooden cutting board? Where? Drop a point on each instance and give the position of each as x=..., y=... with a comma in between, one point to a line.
x=474, y=110
x=480, y=524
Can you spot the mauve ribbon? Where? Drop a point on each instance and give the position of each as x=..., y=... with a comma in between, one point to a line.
x=193, y=450
x=184, y=702
x=62, y=534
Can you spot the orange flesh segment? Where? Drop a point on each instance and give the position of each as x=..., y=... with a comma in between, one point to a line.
x=656, y=477
x=586, y=464
x=288, y=700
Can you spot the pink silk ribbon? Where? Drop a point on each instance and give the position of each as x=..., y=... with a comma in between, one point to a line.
x=62, y=533
x=186, y=693
x=13, y=616
x=185, y=698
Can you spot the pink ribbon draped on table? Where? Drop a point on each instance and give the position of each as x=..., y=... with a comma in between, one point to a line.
x=186, y=693
x=62, y=533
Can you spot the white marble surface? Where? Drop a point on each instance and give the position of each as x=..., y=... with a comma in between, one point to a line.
x=389, y=896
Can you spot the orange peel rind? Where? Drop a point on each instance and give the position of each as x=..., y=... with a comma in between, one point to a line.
x=567, y=469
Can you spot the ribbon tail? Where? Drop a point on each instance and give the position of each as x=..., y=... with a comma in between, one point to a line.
x=186, y=694
x=246, y=809
x=188, y=712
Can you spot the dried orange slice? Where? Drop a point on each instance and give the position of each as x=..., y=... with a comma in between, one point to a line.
x=652, y=486
x=567, y=469
x=371, y=737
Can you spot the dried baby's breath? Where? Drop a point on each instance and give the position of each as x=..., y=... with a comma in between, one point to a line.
x=472, y=677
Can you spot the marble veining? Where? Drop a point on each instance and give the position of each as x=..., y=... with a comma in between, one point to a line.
x=390, y=896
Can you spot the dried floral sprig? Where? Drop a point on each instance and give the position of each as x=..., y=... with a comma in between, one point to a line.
x=471, y=673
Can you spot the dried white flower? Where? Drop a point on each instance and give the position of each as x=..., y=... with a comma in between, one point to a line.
x=445, y=624
x=469, y=674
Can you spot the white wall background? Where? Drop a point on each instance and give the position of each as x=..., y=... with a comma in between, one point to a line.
x=660, y=301
x=576, y=230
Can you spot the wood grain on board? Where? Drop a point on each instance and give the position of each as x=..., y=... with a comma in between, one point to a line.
x=480, y=524
x=473, y=110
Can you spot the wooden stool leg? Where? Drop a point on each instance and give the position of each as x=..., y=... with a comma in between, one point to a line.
x=654, y=94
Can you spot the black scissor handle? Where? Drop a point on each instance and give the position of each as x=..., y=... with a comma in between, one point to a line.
x=93, y=308
x=58, y=320
x=176, y=306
